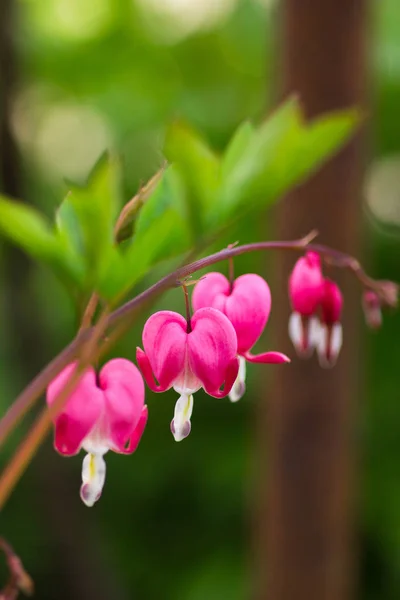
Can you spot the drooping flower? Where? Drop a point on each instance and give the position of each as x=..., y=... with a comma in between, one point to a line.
x=372, y=307
x=104, y=413
x=247, y=304
x=330, y=334
x=188, y=355
x=306, y=284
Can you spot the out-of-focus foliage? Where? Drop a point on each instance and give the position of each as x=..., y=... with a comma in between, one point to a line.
x=174, y=520
x=259, y=164
x=84, y=248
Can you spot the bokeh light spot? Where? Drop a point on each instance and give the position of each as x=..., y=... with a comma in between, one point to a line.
x=382, y=189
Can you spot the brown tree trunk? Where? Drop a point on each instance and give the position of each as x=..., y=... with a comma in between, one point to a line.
x=306, y=539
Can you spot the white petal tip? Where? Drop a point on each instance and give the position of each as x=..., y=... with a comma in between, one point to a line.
x=180, y=424
x=239, y=387
x=302, y=332
x=234, y=399
x=237, y=392
x=93, y=477
x=329, y=345
x=182, y=432
x=89, y=496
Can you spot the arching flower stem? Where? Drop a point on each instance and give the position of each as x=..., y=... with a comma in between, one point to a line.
x=387, y=291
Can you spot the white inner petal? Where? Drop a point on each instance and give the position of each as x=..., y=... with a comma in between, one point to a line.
x=336, y=340
x=187, y=383
x=314, y=332
x=96, y=441
x=180, y=425
x=93, y=478
x=329, y=344
x=239, y=387
x=302, y=332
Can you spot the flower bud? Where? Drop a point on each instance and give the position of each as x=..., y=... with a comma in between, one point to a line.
x=305, y=292
x=330, y=336
x=372, y=309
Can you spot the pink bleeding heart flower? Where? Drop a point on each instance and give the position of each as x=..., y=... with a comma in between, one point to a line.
x=101, y=414
x=306, y=284
x=247, y=304
x=330, y=334
x=372, y=307
x=187, y=356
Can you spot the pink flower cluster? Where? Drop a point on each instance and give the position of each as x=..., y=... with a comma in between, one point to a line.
x=317, y=304
x=208, y=350
x=103, y=413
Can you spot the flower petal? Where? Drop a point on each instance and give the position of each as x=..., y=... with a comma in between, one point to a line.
x=180, y=424
x=80, y=413
x=329, y=343
x=212, y=290
x=303, y=332
x=306, y=284
x=164, y=341
x=93, y=478
x=138, y=432
x=239, y=387
x=147, y=372
x=273, y=358
x=212, y=349
x=331, y=303
x=247, y=305
x=123, y=389
x=248, y=308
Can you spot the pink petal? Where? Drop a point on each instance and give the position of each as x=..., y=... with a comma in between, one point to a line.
x=147, y=372
x=81, y=412
x=164, y=341
x=231, y=374
x=306, y=284
x=372, y=308
x=247, y=305
x=212, y=290
x=274, y=358
x=137, y=434
x=248, y=309
x=331, y=302
x=212, y=347
x=123, y=389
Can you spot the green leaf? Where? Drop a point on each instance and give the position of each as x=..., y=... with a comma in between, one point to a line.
x=160, y=233
x=200, y=171
x=277, y=156
x=259, y=161
x=321, y=140
x=236, y=148
x=167, y=194
x=28, y=229
x=152, y=245
x=85, y=219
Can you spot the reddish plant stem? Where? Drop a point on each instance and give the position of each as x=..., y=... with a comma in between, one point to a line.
x=130, y=309
x=19, y=579
x=187, y=309
x=88, y=314
x=31, y=442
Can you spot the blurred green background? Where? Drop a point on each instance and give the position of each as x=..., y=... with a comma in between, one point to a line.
x=175, y=520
